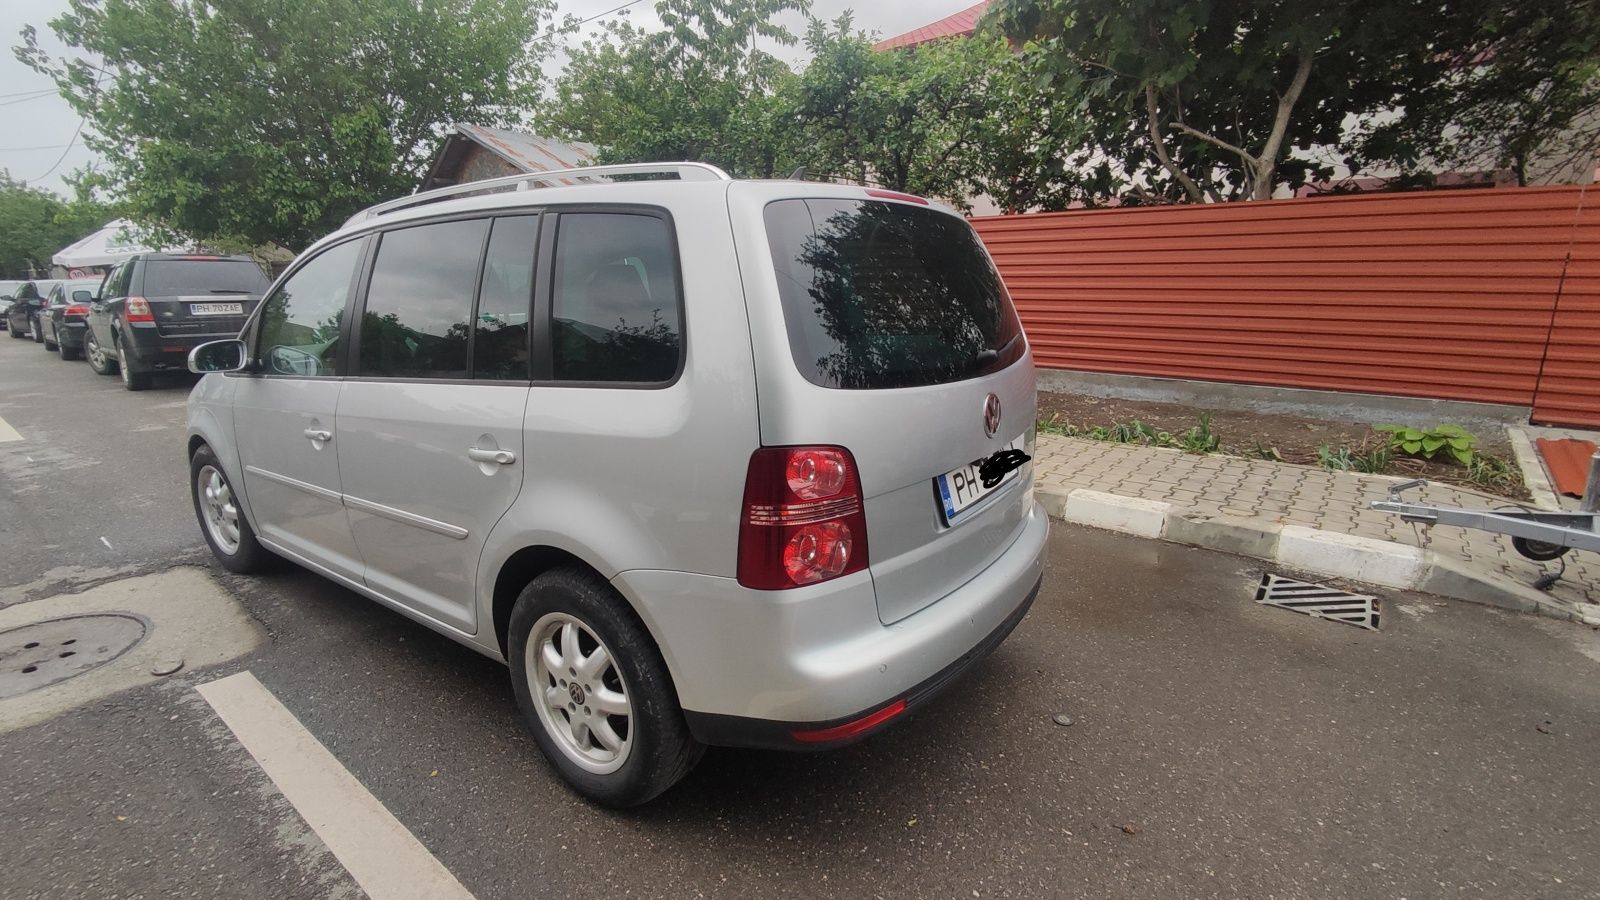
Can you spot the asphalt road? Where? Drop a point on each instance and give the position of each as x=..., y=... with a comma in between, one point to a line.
x=1217, y=748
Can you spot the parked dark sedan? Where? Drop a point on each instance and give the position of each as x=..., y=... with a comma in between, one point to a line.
x=155, y=307
x=66, y=316
x=22, y=319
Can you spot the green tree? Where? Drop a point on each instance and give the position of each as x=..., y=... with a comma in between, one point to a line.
x=699, y=89
x=270, y=121
x=34, y=224
x=1197, y=100
x=1522, y=94
x=904, y=119
x=1034, y=148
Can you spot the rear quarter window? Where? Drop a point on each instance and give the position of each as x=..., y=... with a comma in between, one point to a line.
x=884, y=295
x=616, y=300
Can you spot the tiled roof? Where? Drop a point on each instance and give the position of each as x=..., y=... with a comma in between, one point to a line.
x=961, y=24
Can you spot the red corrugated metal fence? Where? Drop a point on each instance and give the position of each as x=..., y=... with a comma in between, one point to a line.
x=1446, y=294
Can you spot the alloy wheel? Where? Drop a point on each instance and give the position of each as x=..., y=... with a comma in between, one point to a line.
x=219, y=508
x=91, y=348
x=579, y=693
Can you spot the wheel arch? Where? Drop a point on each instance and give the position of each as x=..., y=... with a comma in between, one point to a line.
x=533, y=560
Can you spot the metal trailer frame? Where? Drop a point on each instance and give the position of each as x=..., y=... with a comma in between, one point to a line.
x=1539, y=535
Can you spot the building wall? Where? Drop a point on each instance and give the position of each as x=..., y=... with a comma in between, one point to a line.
x=480, y=164
x=1452, y=295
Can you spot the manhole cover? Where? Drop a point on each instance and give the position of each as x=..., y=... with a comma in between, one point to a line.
x=45, y=653
x=1319, y=600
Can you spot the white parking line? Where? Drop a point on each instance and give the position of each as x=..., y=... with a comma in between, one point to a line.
x=385, y=859
x=7, y=433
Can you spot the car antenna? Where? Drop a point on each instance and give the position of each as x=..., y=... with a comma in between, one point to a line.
x=799, y=174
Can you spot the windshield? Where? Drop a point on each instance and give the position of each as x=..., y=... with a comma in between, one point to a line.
x=884, y=295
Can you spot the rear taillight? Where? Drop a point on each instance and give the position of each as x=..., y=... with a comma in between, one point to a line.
x=75, y=311
x=137, y=309
x=803, y=520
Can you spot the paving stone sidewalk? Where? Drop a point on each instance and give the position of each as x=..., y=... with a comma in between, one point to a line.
x=1223, y=486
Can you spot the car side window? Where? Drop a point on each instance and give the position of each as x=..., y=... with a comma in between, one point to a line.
x=505, y=299
x=419, y=301
x=616, y=299
x=117, y=282
x=300, y=322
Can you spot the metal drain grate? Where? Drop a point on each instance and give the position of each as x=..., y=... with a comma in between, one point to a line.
x=1319, y=600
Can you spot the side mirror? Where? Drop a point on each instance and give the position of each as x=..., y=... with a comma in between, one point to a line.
x=218, y=356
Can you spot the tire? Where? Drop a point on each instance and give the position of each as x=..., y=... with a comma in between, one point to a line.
x=68, y=353
x=15, y=334
x=235, y=547
x=49, y=345
x=99, y=359
x=657, y=750
x=1538, y=551
x=34, y=331
x=131, y=380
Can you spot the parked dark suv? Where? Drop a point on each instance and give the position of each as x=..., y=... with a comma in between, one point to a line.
x=156, y=306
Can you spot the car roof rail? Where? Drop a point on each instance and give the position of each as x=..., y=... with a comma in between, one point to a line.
x=683, y=171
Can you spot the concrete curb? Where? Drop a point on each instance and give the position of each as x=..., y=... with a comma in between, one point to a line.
x=1302, y=549
x=1533, y=473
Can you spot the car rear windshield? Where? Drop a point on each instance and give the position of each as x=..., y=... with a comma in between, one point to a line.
x=885, y=295
x=192, y=277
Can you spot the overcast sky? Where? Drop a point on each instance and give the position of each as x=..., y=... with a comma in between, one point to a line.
x=39, y=127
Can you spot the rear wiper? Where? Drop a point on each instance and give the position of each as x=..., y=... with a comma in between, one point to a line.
x=228, y=291
x=989, y=355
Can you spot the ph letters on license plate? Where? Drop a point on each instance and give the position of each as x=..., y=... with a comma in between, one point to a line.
x=216, y=309
x=961, y=488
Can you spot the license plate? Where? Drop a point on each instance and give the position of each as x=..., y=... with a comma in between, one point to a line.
x=216, y=309
x=960, y=489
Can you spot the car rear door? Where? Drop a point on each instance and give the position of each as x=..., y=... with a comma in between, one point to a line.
x=430, y=423
x=887, y=331
x=284, y=413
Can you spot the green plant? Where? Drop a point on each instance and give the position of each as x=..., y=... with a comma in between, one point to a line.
x=1055, y=425
x=1200, y=438
x=1453, y=440
x=1365, y=459
x=1493, y=472
x=1257, y=451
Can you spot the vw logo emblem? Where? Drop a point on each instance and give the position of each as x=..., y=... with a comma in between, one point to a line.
x=991, y=415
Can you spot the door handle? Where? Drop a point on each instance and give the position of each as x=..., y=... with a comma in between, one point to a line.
x=500, y=457
x=317, y=434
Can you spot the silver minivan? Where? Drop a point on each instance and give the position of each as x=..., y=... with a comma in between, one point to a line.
x=704, y=461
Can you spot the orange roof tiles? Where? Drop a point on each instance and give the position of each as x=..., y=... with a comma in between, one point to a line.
x=959, y=25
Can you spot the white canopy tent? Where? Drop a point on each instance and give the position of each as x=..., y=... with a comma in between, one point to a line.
x=106, y=247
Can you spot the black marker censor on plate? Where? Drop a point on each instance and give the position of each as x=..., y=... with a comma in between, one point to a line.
x=995, y=467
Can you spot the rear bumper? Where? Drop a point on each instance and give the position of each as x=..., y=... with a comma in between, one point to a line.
x=739, y=731
x=752, y=667
x=149, y=350
x=69, y=333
